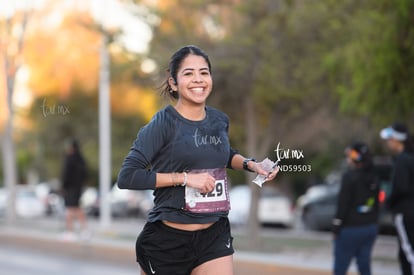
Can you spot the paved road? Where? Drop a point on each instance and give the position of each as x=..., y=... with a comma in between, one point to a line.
x=284, y=252
x=23, y=255
x=22, y=260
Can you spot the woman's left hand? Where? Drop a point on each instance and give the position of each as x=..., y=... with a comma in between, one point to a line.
x=269, y=175
x=272, y=174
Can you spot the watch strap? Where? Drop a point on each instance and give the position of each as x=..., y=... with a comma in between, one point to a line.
x=245, y=162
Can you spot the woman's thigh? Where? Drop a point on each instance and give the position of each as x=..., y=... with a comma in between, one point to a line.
x=222, y=266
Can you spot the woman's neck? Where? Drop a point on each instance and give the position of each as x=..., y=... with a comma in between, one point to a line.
x=195, y=113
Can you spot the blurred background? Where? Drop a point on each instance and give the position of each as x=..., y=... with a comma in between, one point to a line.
x=293, y=75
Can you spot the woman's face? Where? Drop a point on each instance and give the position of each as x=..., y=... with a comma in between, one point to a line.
x=348, y=154
x=194, y=82
x=394, y=145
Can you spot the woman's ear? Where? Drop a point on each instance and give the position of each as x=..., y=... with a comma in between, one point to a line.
x=173, y=84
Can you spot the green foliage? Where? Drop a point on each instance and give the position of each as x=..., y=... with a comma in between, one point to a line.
x=373, y=66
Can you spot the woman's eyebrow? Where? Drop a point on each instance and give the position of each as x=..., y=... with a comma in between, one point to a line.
x=192, y=69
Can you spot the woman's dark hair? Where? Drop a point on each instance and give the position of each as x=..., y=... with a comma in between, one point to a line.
x=359, y=153
x=74, y=145
x=174, y=65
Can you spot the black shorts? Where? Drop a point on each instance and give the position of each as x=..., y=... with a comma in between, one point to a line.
x=164, y=250
x=72, y=197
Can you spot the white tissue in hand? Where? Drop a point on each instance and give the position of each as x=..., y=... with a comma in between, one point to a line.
x=266, y=165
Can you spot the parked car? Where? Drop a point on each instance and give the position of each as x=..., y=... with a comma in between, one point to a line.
x=51, y=198
x=317, y=207
x=89, y=201
x=27, y=204
x=274, y=208
x=123, y=202
x=126, y=202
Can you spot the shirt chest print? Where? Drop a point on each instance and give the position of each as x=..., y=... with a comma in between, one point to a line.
x=200, y=139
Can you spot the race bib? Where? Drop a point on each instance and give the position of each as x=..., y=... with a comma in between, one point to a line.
x=215, y=201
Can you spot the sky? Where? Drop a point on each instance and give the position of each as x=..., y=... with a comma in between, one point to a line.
x=113, y=14
x=136, y=33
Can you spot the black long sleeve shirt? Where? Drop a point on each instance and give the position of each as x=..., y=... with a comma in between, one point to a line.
x=170, y=143
x=401, y=199
x=358, y=198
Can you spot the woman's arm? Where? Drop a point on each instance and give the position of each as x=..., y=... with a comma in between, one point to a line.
x=204, y=182
x=251, y=165
x=342, y=207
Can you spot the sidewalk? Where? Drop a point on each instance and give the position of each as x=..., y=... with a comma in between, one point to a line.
x=287, y=253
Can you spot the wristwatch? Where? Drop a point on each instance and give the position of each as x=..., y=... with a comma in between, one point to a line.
x=245, y=166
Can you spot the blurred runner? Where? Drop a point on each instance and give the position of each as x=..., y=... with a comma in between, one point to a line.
x=73, y=180
x=355, y=225
x=401, y=199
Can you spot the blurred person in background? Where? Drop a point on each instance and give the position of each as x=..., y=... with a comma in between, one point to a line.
x=182, y=154
x=401, y=198
x=74, y=175
x=355, y=225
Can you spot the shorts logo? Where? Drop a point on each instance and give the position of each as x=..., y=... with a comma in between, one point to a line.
x=228, y=244
x=152, y=270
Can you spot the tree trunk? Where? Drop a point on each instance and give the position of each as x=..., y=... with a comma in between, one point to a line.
x=11, y=64
x=10, y=171
x=8, y=151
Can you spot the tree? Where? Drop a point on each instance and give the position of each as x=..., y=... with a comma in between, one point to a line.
x=13, y=30
x=372, y=69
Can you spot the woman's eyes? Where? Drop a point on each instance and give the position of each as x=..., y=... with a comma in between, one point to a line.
x=205, y=73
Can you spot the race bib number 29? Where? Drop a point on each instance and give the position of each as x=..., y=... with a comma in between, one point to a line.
x=214, y=201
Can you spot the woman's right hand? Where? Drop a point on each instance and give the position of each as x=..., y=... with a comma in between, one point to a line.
x=204, y=182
